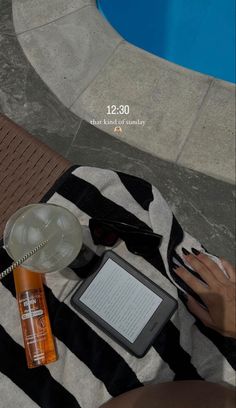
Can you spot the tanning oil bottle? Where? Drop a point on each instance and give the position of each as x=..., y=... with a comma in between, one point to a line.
x=37, y=334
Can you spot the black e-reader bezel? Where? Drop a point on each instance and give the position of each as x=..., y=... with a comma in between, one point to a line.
x=160, y=317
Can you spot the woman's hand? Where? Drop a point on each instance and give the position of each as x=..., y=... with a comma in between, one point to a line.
x=218, y=292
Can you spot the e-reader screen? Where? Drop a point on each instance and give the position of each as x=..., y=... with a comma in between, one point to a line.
x=121, y=300
x=124, y=303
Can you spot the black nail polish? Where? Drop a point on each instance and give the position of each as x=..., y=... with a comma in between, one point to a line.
x=185, y=251
x=184, y=296
x=195, y=251
x=175, y=266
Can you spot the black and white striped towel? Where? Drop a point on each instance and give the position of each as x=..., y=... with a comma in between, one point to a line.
x=91, y=367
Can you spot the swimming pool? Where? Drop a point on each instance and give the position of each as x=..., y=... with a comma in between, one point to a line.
x=198, y=34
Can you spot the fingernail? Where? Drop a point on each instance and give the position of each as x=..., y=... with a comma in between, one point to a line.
x=175, y=266
x=184, y=296
x=185, y=251
x=195, y=251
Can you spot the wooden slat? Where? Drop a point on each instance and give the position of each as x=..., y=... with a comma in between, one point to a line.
x=28, y=168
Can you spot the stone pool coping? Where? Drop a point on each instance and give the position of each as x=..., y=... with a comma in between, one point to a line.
x=189, y=117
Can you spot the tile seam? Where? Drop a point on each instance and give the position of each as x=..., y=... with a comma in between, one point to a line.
x=74, y=137
x=99, y=71
x=52, y=21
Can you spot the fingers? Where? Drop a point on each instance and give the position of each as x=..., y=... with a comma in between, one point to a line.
x=195, y=284
x=212, y=266
x=206, y=268
x=198, y=311
x=198, y=266
x=229, y=268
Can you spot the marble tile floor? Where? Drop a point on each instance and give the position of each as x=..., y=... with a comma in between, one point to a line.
x=204, y=206
x=187, y=117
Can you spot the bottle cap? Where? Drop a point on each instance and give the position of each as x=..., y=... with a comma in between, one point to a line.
x=25, y=279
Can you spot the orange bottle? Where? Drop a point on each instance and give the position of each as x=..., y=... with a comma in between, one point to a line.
x=37, y=334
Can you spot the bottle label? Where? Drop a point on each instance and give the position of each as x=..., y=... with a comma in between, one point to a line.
x=31, y=314
x=38, y=340
x=34, y=325
x=30, y=304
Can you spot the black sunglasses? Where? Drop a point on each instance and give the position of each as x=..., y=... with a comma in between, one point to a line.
x=138, y=240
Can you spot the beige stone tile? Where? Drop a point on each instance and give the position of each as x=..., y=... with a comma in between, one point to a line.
x=69, y=52
x=163, y=95
x=210, y=147
x=28, y=14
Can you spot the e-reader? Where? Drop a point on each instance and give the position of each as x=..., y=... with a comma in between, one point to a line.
x=124, y=303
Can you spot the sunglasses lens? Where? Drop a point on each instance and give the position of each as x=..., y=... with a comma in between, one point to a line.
x=97, y=232
x=104, y=236
x=138, y=241
x=111, y=238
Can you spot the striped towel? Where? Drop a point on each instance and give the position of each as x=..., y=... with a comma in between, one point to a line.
x=92, y=368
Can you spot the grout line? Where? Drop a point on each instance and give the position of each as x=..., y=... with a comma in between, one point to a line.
x=53, y=21
x=74, y=137
x=205, y=96
x=100, y=70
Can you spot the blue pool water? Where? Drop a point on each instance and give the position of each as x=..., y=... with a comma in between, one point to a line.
x=198, y=34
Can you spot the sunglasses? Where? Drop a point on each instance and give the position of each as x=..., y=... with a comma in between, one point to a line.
x=138, y=240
